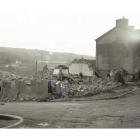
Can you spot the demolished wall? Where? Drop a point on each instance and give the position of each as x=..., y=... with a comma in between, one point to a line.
x=84, y=66
x=76, y=68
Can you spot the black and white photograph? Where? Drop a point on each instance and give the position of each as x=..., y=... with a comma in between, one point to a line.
x=69, y=64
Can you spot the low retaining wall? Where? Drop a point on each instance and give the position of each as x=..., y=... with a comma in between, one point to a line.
x=37, y=89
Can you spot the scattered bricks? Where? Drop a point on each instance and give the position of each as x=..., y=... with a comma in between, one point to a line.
x=97, y=86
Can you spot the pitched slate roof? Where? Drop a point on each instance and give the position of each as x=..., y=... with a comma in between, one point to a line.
x=105, y=34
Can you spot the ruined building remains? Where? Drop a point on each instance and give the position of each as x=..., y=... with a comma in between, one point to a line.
x=119, y=47
x=84, y=66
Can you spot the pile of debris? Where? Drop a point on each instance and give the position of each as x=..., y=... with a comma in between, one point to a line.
x=62, y=85
x=84, y=87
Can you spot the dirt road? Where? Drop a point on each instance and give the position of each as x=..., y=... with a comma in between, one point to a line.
x=118, y=113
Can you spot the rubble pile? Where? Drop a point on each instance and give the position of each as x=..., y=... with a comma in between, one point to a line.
x=17, y=88
x=96, y=87
x=86, y=86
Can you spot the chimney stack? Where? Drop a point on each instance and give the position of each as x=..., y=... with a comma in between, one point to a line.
x=122, y=23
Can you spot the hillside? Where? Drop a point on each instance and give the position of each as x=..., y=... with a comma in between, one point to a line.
x=22, y=61
x=11, y=55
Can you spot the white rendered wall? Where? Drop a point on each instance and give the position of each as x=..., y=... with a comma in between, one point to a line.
x=76, y=68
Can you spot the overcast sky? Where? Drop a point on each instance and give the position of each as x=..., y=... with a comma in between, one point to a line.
x=61, y=25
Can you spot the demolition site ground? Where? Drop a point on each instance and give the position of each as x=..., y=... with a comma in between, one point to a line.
x=121, y=112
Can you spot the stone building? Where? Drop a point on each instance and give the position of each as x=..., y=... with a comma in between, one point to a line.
x=119, y=47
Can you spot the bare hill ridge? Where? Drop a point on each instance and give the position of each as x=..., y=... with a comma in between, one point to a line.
x=11, y=55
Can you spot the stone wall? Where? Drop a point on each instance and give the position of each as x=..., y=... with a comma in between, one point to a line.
x=37, y=89
x=114, y=55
